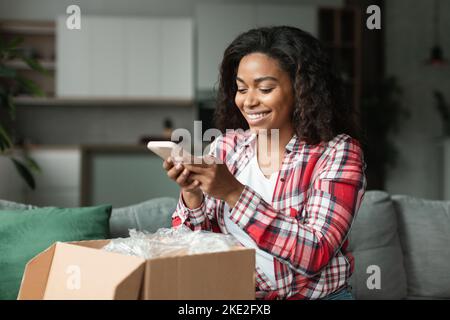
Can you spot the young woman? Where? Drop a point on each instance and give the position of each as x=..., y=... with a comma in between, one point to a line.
x=294, y=201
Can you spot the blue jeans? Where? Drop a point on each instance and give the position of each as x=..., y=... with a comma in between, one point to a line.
x=343, y=294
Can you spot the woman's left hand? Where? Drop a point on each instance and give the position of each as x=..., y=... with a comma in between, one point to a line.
x=216, y=180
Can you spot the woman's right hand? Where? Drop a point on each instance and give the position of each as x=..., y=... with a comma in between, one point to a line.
x=180, y=174
x=190, y=190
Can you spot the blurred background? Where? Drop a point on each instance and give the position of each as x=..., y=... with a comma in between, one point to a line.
x=77, y=106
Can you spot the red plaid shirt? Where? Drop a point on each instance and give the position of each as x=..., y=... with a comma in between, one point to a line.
x=317, y=195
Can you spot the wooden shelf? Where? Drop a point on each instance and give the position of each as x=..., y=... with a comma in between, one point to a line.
x=56, y=147
x=38, y=41
x=116, y=148
x=119, y=101
x=19, y=64
x=27, y=28
x=113, y=148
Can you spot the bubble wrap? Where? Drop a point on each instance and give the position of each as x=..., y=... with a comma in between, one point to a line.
x=171, y=241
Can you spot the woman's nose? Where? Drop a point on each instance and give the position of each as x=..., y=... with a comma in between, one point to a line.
x=251, y=100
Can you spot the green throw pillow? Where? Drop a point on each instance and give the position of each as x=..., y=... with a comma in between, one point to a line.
x=25, y=233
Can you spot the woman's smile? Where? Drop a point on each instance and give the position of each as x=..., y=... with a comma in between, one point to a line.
x=257, y=118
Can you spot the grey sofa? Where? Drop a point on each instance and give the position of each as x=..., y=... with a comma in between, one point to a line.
x=408, y=239
x=400, y=243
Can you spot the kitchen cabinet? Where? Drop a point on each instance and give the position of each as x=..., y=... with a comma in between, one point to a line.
x=143, y=71
x=126, y=57
x=177, y=58
x=59, y=182
x=107, y=56
x=11, y=185
x=74, y=176
x=72, y=60
x=123, y=176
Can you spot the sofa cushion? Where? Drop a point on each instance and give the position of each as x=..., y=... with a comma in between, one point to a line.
x=149, y=215
x=9, y=205
x=25, y=233
x=425, y=238
x=374, y=241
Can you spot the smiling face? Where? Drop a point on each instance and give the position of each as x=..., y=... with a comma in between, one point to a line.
x=265, y=93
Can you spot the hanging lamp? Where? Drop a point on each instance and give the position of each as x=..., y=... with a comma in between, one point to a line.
x=436, y=53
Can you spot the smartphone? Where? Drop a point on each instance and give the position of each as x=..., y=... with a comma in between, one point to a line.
x=166, y=149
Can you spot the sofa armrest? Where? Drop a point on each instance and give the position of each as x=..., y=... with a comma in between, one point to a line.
x=149, y=216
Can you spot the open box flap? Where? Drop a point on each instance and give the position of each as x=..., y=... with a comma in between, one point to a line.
x=82, y=271
x=95, y=244
x=34, y=279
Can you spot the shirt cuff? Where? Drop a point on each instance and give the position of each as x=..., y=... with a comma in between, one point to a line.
x=245, y=207
x=196, y=215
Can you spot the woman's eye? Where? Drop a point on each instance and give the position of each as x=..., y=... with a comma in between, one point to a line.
x=264, y=91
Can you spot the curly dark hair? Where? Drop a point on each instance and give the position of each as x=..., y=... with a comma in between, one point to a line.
x=320, y=111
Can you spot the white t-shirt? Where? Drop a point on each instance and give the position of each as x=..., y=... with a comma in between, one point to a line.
x=253, y=177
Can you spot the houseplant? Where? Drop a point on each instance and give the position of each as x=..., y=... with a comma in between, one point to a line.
x=381, y=114
x=12, y=82
x=443, y=109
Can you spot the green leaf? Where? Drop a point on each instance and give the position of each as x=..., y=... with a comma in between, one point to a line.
x=6, y=72
x=11, y=106
x=7, y=46
x=5, y=140
x=30, y=86
x=24, y=173
x=7, y=101
x=3, y=145
x=35, y=65
x=14, y=43
x=32, y=164
x=3, y=98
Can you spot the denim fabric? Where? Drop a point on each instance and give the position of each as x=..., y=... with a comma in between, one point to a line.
x=343, y=294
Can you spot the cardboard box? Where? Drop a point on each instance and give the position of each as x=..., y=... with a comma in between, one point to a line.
x=82, y=270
